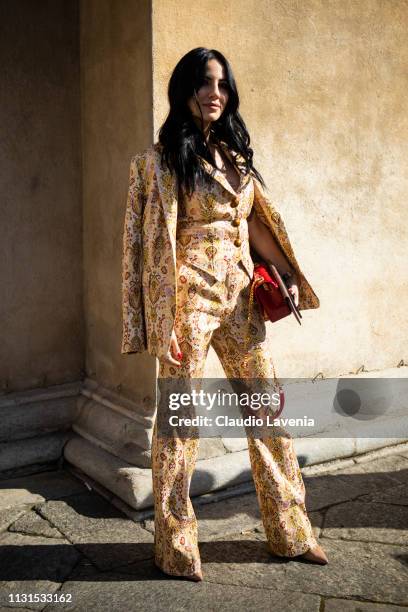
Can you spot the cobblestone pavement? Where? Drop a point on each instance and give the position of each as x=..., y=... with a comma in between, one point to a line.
x=68, y=544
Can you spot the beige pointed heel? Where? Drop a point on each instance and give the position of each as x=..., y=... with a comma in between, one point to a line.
x=196, y=577
x=316, y=555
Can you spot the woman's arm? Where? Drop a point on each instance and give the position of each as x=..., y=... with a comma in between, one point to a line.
x=270, y=217
x=261, y=239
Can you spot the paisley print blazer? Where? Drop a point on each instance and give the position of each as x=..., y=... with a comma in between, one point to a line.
x=149, y=290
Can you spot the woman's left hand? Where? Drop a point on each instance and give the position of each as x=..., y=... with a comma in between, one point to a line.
x=293, y=289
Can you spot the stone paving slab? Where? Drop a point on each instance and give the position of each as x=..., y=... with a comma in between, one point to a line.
x=146, y=588
x=394, y=466
x=228, y=516
x=33, y=564
x=100, y=531
x=394, y=495
x=367, y=522
x=13, y=498
x=356, y=570
x=341, y=485
x=8, y=608
x=9, y=515
x=326, y=490
x=105, y=560
x=33, y=524
x=346, y=605
x=37, y=488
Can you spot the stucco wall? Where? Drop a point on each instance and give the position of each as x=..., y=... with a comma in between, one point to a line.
x=116, y=94
x=323, y=87
x=41, y=218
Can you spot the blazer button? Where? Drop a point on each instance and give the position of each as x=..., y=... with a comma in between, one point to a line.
x=237, y=242
x=234, y=203
x=235, y=222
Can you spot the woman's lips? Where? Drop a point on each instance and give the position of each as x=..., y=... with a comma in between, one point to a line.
x=212, y=105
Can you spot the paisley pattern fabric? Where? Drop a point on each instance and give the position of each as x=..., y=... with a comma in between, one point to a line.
x=149, y=263
x=210, y=223
x=215, y=313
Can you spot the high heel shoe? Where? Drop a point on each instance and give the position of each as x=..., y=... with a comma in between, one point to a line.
x=315, y=554
x=196, y=577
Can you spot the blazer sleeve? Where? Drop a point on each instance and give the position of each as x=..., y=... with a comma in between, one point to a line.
x=268, y=214
x=133, y=320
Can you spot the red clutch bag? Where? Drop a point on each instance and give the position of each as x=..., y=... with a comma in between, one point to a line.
x=272, y=294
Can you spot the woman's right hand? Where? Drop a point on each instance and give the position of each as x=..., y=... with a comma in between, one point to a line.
x=174, y=351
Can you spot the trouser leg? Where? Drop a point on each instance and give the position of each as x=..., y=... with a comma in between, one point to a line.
x=278, y=480
x=175, y=526
x=174, y=458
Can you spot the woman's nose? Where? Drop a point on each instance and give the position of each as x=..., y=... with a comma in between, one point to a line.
x=215, y=91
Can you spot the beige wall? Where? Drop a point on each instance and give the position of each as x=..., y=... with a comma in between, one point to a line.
x=116, y=93
x=323, y=89
x=42, y=339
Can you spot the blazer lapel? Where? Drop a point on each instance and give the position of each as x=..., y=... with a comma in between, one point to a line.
x=221, y=178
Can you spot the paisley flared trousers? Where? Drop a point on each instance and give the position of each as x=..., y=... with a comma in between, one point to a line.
x=211, y=312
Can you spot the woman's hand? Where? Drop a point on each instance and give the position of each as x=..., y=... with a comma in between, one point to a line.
x=293, y=288
x=174, y=351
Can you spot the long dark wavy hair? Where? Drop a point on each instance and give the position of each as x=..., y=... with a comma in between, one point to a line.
x=182, y=139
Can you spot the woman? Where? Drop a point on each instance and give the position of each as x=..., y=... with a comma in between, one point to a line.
x=197, y=216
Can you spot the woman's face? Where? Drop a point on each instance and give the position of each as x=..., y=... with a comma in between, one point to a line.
x=212, y=95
